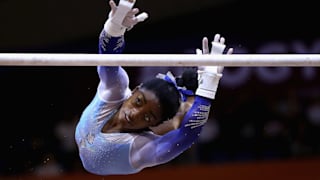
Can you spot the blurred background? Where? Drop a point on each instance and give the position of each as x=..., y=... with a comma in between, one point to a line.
x=265, y=121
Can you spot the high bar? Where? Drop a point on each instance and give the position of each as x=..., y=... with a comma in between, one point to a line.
x=142, y=60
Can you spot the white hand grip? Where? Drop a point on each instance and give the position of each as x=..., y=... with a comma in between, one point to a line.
x=123, y=8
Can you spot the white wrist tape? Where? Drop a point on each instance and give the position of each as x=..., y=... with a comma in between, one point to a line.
x=208, y=84
x=113, y=29
x=123, y=8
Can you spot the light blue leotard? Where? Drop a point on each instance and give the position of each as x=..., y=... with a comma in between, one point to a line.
x=128, y=153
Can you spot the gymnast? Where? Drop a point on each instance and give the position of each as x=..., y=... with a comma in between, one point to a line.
x=123, y=131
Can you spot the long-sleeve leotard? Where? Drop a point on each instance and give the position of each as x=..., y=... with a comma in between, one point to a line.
x=127, y=153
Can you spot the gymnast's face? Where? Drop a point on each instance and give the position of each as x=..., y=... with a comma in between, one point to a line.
x=140, y=111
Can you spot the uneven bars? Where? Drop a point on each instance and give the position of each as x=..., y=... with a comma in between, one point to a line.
x=142, y=60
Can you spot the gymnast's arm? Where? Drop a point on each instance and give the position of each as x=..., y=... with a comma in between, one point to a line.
x=114, y=81
x=174, y=123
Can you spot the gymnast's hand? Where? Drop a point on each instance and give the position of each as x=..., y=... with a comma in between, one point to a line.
x=209, y=76
x=123, y=17
x=218, y=47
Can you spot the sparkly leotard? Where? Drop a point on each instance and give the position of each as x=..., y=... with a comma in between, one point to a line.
x=128, y=153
